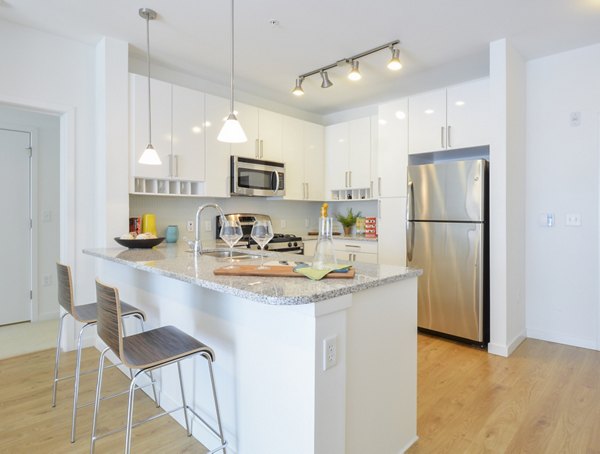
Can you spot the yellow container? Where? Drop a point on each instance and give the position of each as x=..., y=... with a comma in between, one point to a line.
x=149, y=223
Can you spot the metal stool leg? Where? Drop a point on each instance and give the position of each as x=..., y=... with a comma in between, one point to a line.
x=130, y=413
x=150, y=372
x=97, y=399
x=185, y=409
x=214, y=390
x=57, y=359
x=76, y=386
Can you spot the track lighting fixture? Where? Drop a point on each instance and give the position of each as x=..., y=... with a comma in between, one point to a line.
x=326, y=82
x=298, y=88
x=393, y=64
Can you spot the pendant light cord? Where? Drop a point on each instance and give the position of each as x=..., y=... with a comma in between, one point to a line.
x=232, y=50
x=148, y=63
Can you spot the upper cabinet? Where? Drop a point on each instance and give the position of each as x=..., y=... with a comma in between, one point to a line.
x=348, y=151
x=391, y=158
x=177, y=130
x=456, y=117
x=263, y=130
x=216, y=183
x=304, y=160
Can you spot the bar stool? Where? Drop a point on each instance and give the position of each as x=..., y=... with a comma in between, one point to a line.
x=86, y=314
x=147, y=351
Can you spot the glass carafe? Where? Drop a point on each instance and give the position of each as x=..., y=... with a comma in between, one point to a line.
x=324, y=252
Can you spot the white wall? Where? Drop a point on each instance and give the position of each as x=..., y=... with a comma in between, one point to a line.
x=562, y=177
x=46, y=196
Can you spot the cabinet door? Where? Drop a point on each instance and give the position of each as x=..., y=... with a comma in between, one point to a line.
x=187, y=162
x=392, y=150
x=360, y=153
x=293, y=158
x=427, y=126
x=468, y=114
x=216, y=183
x=391, y=231
x=337, y=150
x=314, y=161
x=248, y=118
x=270, y=126
x=161, y=124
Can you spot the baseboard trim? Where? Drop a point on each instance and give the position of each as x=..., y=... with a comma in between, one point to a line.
x=409, y=444
x=560, y=339
x=507, y=350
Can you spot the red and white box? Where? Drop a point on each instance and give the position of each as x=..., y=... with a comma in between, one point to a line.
x=371, y=227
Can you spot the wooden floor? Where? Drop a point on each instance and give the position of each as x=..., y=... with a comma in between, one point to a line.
x=28, y=423
x=545, y=398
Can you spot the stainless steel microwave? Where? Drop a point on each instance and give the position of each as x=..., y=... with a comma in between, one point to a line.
x=255, y=177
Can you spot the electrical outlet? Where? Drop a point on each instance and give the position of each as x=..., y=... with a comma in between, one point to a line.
x=329, y=352
x=573, y=219
x=207, y=226
x=306, y=222
x=47, y=280
x=190, y=226
x=282, y=223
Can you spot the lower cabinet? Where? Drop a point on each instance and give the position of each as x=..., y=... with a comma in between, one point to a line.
x=355, y=250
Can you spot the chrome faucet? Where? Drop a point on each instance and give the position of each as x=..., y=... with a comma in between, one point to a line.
x=198, y=242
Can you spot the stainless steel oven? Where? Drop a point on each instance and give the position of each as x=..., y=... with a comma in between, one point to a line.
x=254, y=177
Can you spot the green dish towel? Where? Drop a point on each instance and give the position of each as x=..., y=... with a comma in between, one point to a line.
x=316, y=275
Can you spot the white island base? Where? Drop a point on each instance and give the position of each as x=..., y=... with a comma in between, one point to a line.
x=274, y=393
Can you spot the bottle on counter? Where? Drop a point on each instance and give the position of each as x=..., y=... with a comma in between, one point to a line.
x=324, y=251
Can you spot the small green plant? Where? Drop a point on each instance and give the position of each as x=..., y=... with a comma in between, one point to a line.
x=349, y=220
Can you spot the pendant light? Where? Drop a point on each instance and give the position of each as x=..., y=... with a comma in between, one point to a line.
x=149, y=156
x=232, y=131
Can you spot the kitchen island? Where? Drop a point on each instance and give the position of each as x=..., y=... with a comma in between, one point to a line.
x=277, y=393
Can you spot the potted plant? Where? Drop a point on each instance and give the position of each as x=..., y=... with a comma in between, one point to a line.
x=348, y=221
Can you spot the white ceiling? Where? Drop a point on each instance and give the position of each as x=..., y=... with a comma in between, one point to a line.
x=443, y=41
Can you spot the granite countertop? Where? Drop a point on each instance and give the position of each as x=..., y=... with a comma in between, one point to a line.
x=340, y=237
x=173, y=260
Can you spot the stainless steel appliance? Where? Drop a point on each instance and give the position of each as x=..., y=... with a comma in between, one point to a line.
x=280, y=243
x=447, y=236
x=254, y=177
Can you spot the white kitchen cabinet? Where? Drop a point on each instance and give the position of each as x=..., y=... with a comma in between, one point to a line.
x=138, y=124
x=355, y=250
x=263, y=129
x=391, y=231
x=348, y=152
x=452, y=118
x=217, y=153
x=302, y=148
x=188, y=142
x=390, y=156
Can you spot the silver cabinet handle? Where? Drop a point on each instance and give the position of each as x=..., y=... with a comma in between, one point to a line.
x=256, y=152
x=449, y=139
x=350, y=178
x=379, y=186
x=171, y=165
x=352, y=245
x=346, y=179
x=261, y=148
x=410, y=232
x=371, y=188
x=176, y=161
x=442, y=137
x=307, y=191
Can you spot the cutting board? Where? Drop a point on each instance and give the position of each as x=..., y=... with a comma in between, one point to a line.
x=275, y=271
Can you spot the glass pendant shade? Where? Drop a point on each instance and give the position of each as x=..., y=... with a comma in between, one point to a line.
x=232, y=131
x=150, y=156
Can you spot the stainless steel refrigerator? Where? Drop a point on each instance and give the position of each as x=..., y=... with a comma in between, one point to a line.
x=447, y=237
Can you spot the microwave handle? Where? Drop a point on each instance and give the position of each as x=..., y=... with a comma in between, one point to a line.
x=276, y=180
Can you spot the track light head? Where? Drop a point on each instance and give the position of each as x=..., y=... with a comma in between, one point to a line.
x=354, y=73
x=395, y=64
x=298, y=88
x=326, y=82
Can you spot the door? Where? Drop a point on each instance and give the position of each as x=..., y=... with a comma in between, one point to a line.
x=450, y=292
x=337, y=150
x=468, y=114
x=293, y=159
x=427, y=125
x=189, y=128
x=359, y=134
x=15, y=268
x=248, y=117
x=392, y=150
x=314, y=161
x=270, y=126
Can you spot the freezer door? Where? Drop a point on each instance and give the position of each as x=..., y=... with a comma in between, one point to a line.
x=453, y=191
x=450, y=295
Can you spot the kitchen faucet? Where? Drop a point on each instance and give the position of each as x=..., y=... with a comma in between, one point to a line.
x=198, y=242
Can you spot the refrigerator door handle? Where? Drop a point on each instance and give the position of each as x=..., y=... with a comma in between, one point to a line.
x=410, y=231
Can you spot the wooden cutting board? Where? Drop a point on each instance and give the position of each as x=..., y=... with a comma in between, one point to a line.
x=275, y=271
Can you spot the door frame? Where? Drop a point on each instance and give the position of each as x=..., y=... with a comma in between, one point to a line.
x=33, y=230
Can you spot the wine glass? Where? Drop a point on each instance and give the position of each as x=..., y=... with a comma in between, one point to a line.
x=231, y=232
x=262, y=233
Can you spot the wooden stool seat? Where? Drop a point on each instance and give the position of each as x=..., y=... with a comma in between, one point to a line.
x=159, y=346
x=88, y=313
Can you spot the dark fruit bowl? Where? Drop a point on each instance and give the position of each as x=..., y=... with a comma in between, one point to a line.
x=140, y=244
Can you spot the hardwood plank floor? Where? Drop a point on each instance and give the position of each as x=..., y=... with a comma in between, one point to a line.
x=545, y=398
x=28, y=423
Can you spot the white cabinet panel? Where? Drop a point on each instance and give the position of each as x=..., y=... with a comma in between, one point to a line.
x=468, y=114
x=355, y=250
x=427, y=126
x=270, y=125
x=314, y=161
x=293, y=157
x=217, y=153
x=337, y=151
x=392, y=149
x=391, y=231
x=359, y=158
x=248, y=117
x=188, y=141
x=138, y=124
